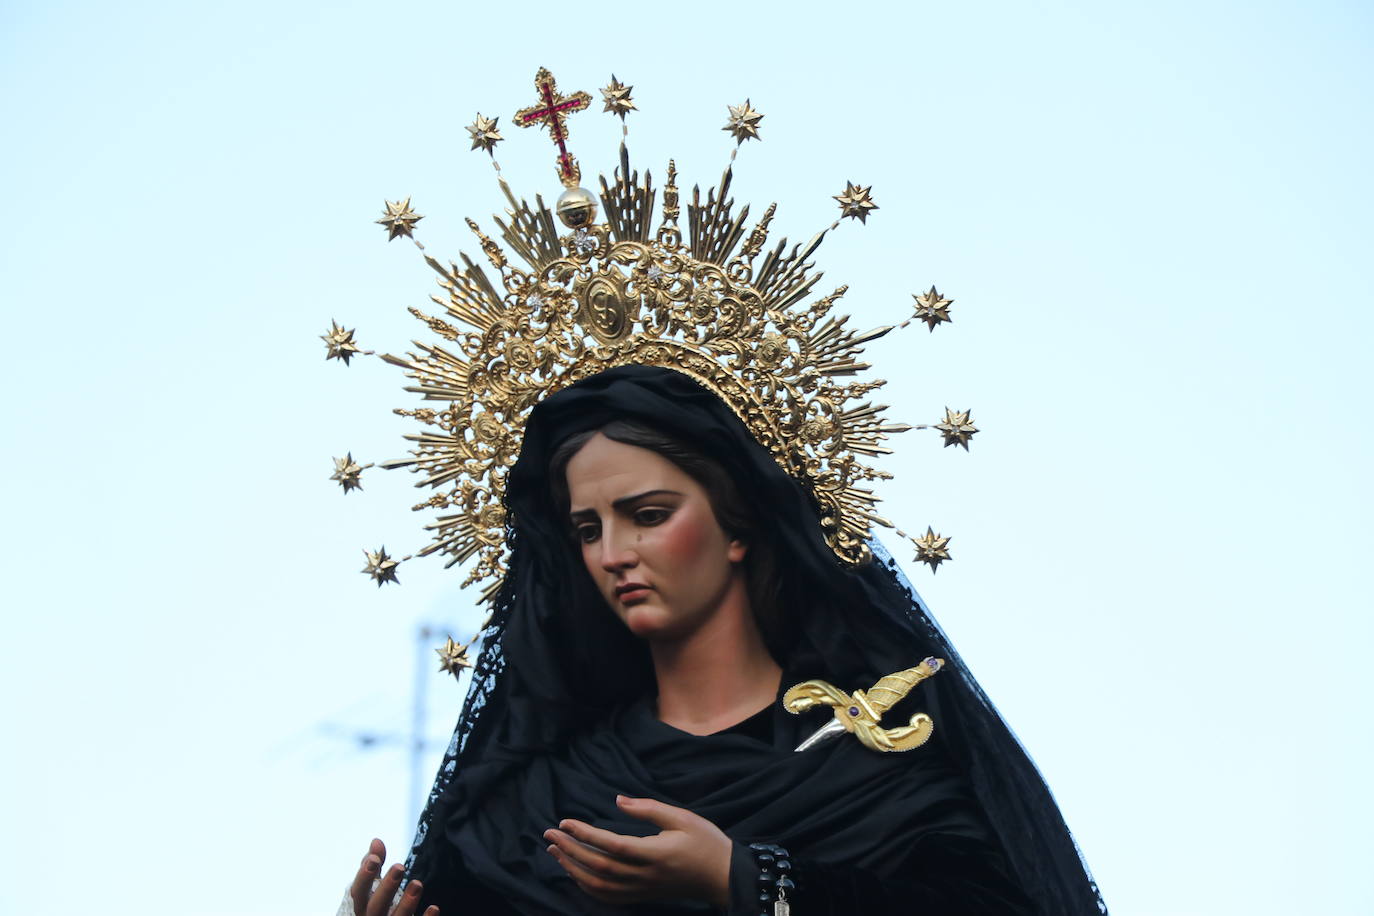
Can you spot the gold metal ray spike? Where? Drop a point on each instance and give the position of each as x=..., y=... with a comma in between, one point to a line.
x=856, y=202
x=399, y=219
x=382, y=567
x=348, y=473
x=616, y=95
x=453, y=657
x=931, y=548
x=484, y=133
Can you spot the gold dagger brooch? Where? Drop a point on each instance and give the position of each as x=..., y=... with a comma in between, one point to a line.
x=861, y=713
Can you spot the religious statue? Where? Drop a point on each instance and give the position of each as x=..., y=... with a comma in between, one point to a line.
x=703, y=685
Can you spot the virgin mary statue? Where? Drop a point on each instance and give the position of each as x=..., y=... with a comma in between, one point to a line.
x=705, y=686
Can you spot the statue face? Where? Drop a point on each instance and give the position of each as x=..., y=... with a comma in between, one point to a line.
x=650, y=539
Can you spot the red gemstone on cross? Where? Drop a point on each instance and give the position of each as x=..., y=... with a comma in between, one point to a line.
x=552, y=112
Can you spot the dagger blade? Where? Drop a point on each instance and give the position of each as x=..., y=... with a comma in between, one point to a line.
x=831, y=729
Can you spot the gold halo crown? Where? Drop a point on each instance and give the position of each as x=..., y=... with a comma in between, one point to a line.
x=713, y=305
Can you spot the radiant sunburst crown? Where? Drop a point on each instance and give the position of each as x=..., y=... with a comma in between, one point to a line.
x=711, y=299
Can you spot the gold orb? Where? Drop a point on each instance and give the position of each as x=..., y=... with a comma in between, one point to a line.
x=577, y=208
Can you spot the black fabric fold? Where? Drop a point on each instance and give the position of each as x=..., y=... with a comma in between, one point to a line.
x=871, y=825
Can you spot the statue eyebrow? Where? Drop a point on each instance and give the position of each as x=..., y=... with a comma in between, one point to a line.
x=621, y=503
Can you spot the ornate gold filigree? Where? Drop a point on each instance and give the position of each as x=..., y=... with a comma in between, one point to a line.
x=861, y=713
x=709, y=299
x=611, y=296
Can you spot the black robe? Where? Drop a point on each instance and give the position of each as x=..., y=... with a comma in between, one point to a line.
x=867, y=832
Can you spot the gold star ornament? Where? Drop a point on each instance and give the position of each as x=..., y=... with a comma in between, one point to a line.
x=931, y=548
x=484, y=134
x=399, y=219
x=744, y=122
x=856, y=202
x=339, y=343
x=348, y=473
x=931, y=307
x=381, y=567
x=957, y=428
x=616, y=95
x=453, y=657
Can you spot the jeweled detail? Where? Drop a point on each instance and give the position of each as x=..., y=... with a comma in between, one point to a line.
x=551, y=112
x=861, y=712
x=711, y=299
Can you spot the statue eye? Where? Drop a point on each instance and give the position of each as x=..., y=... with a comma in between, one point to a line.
x=651, y=516
x=587, y=534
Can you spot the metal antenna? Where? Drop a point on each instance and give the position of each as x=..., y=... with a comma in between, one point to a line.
x=423, y=635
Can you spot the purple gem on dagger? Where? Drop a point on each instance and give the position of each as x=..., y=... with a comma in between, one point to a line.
x=853, y=711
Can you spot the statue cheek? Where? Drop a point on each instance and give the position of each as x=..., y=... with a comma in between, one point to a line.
x=684, y=539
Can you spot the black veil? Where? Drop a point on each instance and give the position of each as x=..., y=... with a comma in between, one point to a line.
x=553, y=661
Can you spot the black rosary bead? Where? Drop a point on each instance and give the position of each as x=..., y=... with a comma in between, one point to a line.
x=773, y=887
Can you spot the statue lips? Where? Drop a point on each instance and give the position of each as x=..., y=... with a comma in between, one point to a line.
x=632, y=592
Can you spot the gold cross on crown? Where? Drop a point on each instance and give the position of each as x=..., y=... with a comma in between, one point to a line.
x=552, y=111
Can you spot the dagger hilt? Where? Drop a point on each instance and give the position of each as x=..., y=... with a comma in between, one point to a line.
x=893, y=688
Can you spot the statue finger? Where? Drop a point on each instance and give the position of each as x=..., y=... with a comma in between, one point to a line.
x=660, y=814
x=368, y=869
x=385, y=893
x=599, y=886
x=410, y=899
x=632, y=849
x=590, y=858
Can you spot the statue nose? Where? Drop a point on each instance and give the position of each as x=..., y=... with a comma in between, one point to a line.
x=617, y=552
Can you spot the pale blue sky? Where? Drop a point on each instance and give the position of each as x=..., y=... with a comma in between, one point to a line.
x=1155, y=222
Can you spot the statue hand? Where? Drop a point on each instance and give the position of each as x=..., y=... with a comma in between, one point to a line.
x=689, y=856
x=376, y=901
